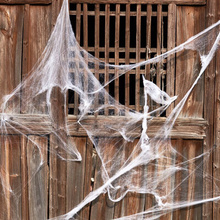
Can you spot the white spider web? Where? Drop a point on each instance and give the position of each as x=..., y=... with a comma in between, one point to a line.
x=123, y=169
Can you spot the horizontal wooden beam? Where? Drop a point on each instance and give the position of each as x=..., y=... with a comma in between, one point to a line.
x=178, y=2
x=20, y=2
x=187, y=128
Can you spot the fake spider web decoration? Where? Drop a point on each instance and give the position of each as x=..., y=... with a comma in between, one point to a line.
x=125, y=169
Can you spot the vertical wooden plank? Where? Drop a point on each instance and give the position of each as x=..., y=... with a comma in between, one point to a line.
x=102, y=207
x=26, y=58
x=88, y=176
x=75, y=175
x=138, y=45
x=117, y=31
x=53, y=191
x=85, y=26
x=148, y=44
x=190, y=20
x=37, y=177
x=171, y=40
x=37, y=30
x=107, y=35
x=216, y=158
x=24, y=179
x=148, y=39
x=159, y=16
x=14, y=165
x=209, y=105
x=3, y=198
x=57, y=185
x=127, y=46
x=97, y=26
x=78, y=29
x=149, y=198
x=133, y=202
x=11, y=26
x=85, y=43
x=191, y=179
x=58, y=156
x=164, y=163
x=178, y=145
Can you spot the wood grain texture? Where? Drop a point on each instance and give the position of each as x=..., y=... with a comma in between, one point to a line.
x=102, y=207
x=37, y=30
x=11, y=27
x=76, y=174
x=216, y=153
x=57, y=191
x=180, y=2
x=171, y=43
x=34, y=2
x=127, y=46
x=37, y=177
x=24, y=179
x=209, y=105
x=191, y=128
x=189, y=22
x=13, y=177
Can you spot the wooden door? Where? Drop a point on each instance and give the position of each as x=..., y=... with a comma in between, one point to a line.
x=59, y=186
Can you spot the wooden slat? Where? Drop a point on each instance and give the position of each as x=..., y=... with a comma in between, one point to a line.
x=117, y=31
x=102, y=207
x=122, y=13
x=37, y=177
x=159, y=45
x=209, y=114
x=178, y=145
x=165, y=162
x=189, y=128
x=216, y=158
x=148, y=39
x=11, y=19
x=127, y=46
x=188, y=62
x=24, y=179
x=57, y=172
x=171, y=40
x=180, y=2
x=78, y=30
x=192, y=178
x=88, y=175
x=138, y=45
x=16, y=2
x=57, y=149
x=85, y=42
x=75, y=175
x=133, y=202
x=37, y=25
x=107, y=34
x=14, y=164
x=26, y=58
x=3, y=177
x=97, y=31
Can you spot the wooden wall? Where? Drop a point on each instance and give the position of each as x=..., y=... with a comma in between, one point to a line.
x=25, y=26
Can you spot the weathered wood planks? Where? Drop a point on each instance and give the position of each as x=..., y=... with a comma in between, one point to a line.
x=37, y=168
x=11, y=28
x=216, y=157
x=180, y=2
x=17, y=2
x=189, y=22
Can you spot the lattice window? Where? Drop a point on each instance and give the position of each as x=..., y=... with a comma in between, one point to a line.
x=123, y=34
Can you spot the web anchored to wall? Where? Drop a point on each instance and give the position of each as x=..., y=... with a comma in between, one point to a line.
x=132, y=158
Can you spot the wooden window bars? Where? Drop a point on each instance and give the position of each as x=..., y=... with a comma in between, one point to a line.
x=125, y=34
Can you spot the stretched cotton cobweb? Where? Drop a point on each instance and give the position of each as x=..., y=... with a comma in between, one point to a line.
x=146, y=165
